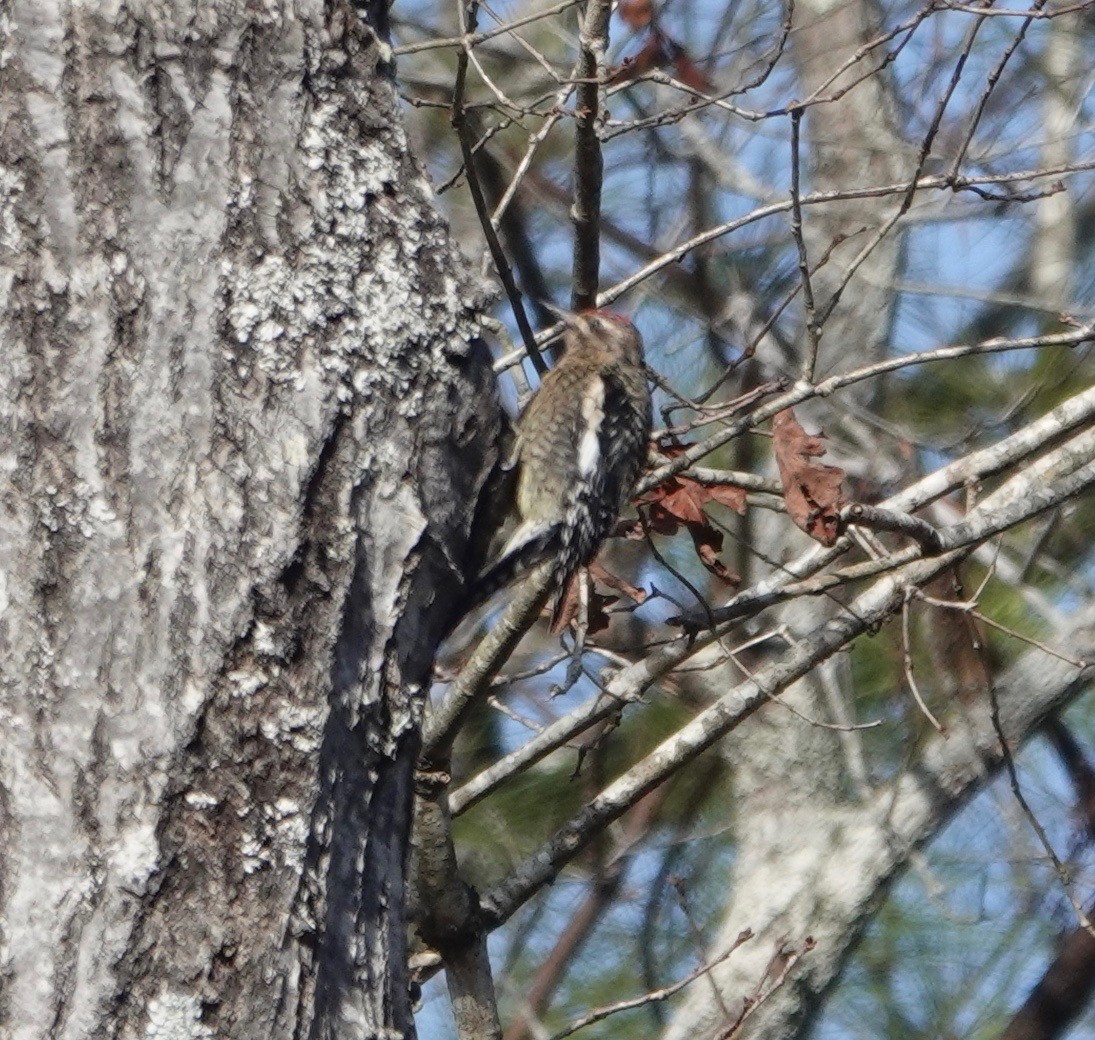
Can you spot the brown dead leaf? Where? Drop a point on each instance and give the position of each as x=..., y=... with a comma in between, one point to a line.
x=682, y=501
x=598, y=612
x=650, y=57
x=728, y=495
x=679, y=502
x=566, y=609
x=636, y=13
x=812, y=490
x=616, y=583
x=708, y=543
x=566, y=606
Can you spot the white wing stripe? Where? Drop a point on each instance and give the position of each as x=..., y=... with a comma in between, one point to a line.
x=593, y=413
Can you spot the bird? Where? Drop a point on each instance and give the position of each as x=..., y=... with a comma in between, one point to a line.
x=580, y=444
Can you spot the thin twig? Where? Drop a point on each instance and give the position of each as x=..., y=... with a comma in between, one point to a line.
x=1014, y=448
x=459, y=121
x=970, y=608
x=753, y=1004
x=654, y=996
x=907, y=661
x=911, y=190
x=813, y=329
x=470, y=39
x=488, y=657
x=804, y=391
x=1010, y=12
x=672, y=256
x=1013, y=780
x=991, y=82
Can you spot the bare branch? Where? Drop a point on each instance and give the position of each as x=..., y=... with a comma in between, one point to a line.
x=597, y=1014
x=588, y=164
x=1042, y=485
x=460, y=125
x=470, y=39
x=489, y=656
x=813, y=328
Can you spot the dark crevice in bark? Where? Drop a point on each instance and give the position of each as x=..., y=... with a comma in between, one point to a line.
x=374, y=13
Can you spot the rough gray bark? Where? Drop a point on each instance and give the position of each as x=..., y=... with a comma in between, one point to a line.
x=245, y=421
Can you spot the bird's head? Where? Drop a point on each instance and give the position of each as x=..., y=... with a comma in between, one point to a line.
x=605, y=331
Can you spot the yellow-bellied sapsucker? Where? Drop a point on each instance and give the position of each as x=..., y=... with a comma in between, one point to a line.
x=581, y=442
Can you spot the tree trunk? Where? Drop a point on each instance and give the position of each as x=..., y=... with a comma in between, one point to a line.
x=246, y=421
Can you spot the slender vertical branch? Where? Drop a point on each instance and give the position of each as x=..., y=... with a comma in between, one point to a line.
x=459, y=120
x=813, y=330
x=1013, y=779
x=990, y=86
x=445, y=913
x=588, y=162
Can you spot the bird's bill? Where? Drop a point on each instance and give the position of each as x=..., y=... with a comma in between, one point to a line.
x=568, y=318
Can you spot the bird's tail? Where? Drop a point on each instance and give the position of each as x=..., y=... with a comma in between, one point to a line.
x=529, y=545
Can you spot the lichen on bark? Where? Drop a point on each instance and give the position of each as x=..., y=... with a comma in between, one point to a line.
x=246, y=418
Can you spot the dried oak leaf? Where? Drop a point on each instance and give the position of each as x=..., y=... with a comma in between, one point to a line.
x=679, y=502
x=598, y=612
x=597, y=619
x=729, y=495
x=660, y=51
x=616, y=583
x=650, y=57
x=636, y=13
x=812, y=490
x=708, y=543
x=566, y=606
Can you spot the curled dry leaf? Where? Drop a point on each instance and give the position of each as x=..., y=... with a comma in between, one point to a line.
x=729, y=495
x=567, y=607
x=658, y=52
x=679, y=502
x=617, y=584
x=708, y=543
x=636, y=13
x=598, y=612
x=650, y=57
x=813, y=491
